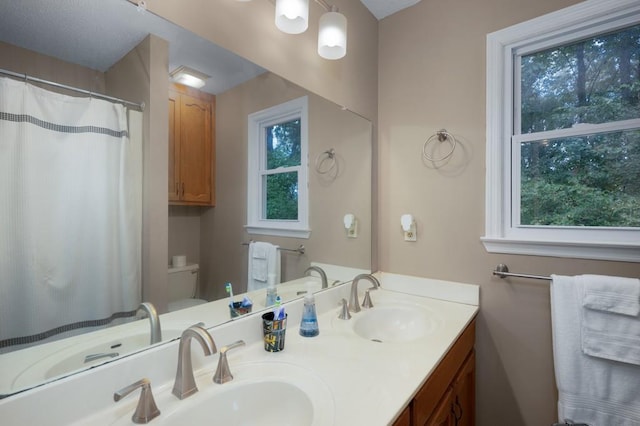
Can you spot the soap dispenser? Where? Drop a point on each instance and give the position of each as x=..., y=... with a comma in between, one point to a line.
x=309, y=322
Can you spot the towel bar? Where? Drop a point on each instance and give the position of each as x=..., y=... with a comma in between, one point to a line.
x=300, y=250
x=502, y=271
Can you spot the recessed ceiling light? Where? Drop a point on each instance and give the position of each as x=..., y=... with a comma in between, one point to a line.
x=189, y=77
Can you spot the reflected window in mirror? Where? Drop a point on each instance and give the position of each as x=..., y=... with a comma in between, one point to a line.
x=278, y=141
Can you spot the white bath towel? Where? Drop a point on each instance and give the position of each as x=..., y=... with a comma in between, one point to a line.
x=591, y=390
x=264, y=260
x=610, y=322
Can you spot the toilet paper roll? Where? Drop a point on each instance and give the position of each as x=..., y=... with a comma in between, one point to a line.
x=177, y=261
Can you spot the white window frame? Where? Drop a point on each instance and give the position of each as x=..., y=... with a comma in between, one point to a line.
x=502, y=233
x=258, y=122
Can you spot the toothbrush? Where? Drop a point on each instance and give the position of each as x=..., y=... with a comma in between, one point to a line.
x=278, y=311
x=229, y=289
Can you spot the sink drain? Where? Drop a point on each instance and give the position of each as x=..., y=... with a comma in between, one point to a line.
x=376, y=340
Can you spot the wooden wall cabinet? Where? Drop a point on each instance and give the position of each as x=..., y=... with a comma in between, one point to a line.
x=448, y=397
x=191, y=146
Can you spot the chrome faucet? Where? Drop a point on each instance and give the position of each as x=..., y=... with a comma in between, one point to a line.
x=154, y=321
x=185, y=383
x=354, y=304
x=320, y=271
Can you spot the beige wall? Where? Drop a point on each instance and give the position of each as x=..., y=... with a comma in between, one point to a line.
x=184, y=232
x=223, y=258
x=142, y=76
x=23, y=61
x=432, y=75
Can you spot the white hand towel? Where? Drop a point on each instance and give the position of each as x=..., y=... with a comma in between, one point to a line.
x=612, y=294
x=591, y=390
x=264, y=260
x=259, y=262
x=610, y=327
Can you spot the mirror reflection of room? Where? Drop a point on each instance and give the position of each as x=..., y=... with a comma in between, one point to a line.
x=191, y=242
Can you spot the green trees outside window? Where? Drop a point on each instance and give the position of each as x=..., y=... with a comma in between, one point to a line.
x=590, y=179
x=283, y=151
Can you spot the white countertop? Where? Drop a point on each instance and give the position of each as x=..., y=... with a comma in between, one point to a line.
x=370, y=382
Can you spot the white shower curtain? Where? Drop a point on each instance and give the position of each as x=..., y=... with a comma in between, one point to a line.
x=70, y=209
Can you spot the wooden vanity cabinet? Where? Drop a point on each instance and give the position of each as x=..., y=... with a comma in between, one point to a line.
x=405, y=418
x=448, y=396
x=191, y=146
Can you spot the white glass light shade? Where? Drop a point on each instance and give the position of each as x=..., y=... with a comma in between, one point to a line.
x=332, y=35
x=292, y=16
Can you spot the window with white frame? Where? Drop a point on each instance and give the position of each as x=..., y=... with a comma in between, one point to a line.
x=563, y=134
x=277, y=201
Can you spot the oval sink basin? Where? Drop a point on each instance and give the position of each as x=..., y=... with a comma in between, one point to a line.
x=96, y=349
x=85, y=357
x=260, y=394
x=396, y=323
x=256, y=404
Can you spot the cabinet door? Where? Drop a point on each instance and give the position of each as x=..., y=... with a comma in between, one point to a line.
x=465, y=393
x=174, y=146
x=195, y=149
x=428, y=398
x=443, y=414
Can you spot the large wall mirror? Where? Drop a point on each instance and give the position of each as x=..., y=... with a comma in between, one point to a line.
x=111, y=47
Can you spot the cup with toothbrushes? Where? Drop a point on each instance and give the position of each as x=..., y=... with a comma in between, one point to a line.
x=238, y=308
x=274, y=327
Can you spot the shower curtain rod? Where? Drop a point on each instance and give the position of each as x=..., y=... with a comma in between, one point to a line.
x=26, y=77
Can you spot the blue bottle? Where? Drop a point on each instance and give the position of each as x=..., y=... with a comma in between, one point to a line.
x=309, y=322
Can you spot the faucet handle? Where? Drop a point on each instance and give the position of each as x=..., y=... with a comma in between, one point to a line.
x=344, y=312
x=146, y=409
x=223, y=373
x=367, y=303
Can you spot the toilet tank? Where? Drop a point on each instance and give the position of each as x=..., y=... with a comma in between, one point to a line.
x=183, y=282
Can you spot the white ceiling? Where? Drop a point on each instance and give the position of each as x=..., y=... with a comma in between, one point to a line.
x=98, y=33
x=384, y=8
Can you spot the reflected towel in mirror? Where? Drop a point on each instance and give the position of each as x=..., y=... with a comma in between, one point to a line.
x=264, y=259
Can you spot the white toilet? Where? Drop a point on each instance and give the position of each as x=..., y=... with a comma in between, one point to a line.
x=183, y=284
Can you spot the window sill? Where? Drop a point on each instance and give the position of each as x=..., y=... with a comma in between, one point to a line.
x=567, y=249
x=278, y=232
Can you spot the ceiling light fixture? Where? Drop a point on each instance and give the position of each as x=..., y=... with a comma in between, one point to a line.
x=189, y=77
x=332, y=34
x=292, y=17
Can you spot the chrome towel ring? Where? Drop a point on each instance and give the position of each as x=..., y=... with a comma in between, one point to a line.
x=441, y=135
x=326, y=161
